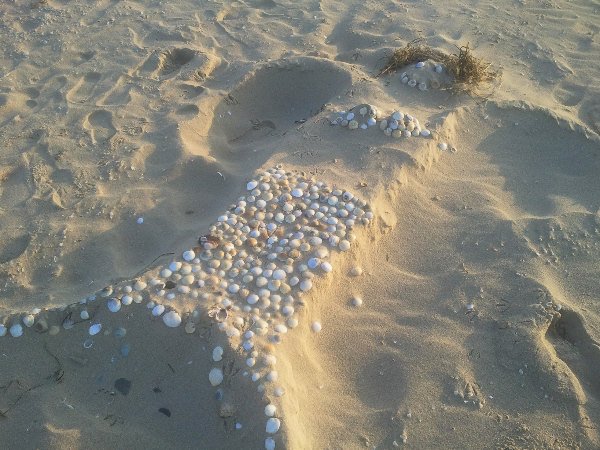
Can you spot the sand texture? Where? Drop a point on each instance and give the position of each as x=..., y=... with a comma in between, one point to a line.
x=480, y=322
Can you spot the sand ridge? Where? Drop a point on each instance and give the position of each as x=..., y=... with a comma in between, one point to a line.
x=479, y=323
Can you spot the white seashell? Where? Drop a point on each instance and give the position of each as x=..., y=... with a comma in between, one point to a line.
x=350, y=116
x=393, y=124
x=363, y=111
x=270, y=410
x=326, y=267
x=406, y=133
x=28, y=320
x=383, y=124
x=364, y=126
x=397, y=115
x=215, y=376
x=269, y=444
x=306, y=285
x=278, y=391
x=443, y=146
x=357, y=301
x=217, y=353
x=297, y=193
x=353, y=125
x=273, y=425
x=439, y=68
x=125, y=300
x=425, y=133
x=252, y=299
x=412, y=83
x=356, y=271
x=420, y=64
x=251, y=185
x=422, y=86
x=313, y=263
x=344, y=245
x=16, y=330
x=166, y=273
x=171, y=319
x=95, y=329
x=279, y=274
x=416, y=132
x=397, y=133
x=316, y=327
x=404, y=80
x=250, y=362
x=114, y=305
x=280, y=328
x=189, y=255
x=3, y=330
x=158, y=310
x=292, y=322
x=140, y=285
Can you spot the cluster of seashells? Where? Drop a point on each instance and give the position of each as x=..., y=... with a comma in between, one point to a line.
x=425, y=75
x=250, y=272
x=397, y=124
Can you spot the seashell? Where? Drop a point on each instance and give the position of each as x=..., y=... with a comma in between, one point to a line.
x=420, y=64
x=158, y=310
x=171, y=319
x=397, y=115
x=189, y=255
x=397, y=133
x=16, y=330
x=412, y=83
x=425, y=133
x=416, y=132
x=383, y=124
x=353, y=125
x=364, y=126
x=215, y=376
x=280, y=328
x=125, y=300
x=306, y=285
x=54, y=330
x=139, y=285
x=443, y=146
x=3, y=330
x=350, y=116
x=404, y=80
x=273, y=425
x=114, y=305
x=278, y=391
x=406, y=133
x=269, y=444
x=28, y=320
x=363, y=110
x=251, y=185
x=217, y=353
x=95, y=329
x=438, y=68
x=356, y=271
x=297, y=193
x=326, y=267
x=422, y=86
x=270, y=410
x=316, y=327
x=356, y=301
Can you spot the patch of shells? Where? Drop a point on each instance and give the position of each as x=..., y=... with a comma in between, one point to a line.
x=426, y=75
x=397, y=124
x=249, y=273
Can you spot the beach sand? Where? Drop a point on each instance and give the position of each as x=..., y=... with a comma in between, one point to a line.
x=480, y=322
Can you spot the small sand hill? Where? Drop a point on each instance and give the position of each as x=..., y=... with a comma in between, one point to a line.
x=479, y=323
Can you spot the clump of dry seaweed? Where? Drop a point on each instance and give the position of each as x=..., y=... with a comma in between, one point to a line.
x=469, y=72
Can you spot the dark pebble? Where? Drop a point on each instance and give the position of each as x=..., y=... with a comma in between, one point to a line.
x=165, y=411
x=123, y=385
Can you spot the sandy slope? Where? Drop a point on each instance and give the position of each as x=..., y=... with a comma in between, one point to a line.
x=114, y=110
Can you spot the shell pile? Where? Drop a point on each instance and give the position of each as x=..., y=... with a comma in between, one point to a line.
x=426, y=75
x=249, y=273
x=397, y=124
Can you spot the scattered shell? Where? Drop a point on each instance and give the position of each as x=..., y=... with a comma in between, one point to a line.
x=95, y=329
x=270, y=410
x=3, y=330
x=269, y=444
x=28, y=320
x=316, y=327
x=16, y=330
x=420, y=64
x=215, y=376
x=443, y=146
x=357, y=301
x=172, y=319
x=273, y=425
x=114, y=305
x=356, y=271
x=425, y=133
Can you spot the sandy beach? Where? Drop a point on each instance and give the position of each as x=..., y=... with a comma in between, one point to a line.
x=433, y=291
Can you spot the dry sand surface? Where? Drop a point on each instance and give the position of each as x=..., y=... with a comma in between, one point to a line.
x=480, y=326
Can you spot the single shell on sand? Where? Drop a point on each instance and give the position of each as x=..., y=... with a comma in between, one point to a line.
x=3, y=330
x=172, y=319
x=29, y=320
x=217, y=354
x=16, y=330
x=270, y=410
x=114, y=305
x=269, y=444
x=316, y=327
x=95, y=329
x=189, y=255
x=356, y=301
x=215, y=376
x=273, y=425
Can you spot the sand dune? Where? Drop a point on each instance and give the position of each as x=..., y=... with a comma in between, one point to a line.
x=479, y=323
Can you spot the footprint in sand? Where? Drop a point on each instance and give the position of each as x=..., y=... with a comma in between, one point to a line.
x=569, y=94
x=118, y=95
x=100, y=126
x=84, y=88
